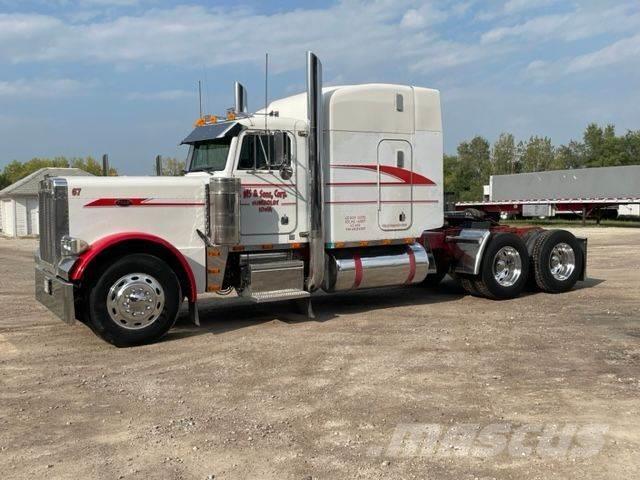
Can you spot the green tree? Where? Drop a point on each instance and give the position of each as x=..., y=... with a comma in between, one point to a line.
x=92, y=166
x=172, y=167
x=503, y=155
x=16, y=170
x=630, y=148
x=472, y=168
x=571, y=155
x=537, y=154
x=4, y=181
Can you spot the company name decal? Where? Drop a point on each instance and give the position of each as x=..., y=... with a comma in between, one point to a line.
x=265, y=200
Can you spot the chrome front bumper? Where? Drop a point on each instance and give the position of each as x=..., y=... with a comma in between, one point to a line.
x=55, y=294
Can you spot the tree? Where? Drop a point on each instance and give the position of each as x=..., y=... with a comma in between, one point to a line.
x=537, y=154
x=472, y=169
x=172, y=167
x=630, y=150
x=92, y=166
x=569, y=156
x=16, y=170
x=503, y=155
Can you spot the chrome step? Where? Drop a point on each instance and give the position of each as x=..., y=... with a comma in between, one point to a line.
x=276, y=295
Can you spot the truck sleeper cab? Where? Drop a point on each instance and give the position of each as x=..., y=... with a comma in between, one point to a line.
x=336, y=189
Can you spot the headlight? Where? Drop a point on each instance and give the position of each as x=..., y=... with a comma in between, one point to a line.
x=72, y=246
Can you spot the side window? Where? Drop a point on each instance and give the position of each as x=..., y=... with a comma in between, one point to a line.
x=258, y=152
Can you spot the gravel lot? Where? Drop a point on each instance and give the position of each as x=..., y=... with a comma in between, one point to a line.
x=259, y=393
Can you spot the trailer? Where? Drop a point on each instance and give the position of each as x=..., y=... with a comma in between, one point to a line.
x=335, y=189
x=587, y=192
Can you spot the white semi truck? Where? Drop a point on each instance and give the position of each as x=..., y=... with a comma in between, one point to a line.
x=336, y=189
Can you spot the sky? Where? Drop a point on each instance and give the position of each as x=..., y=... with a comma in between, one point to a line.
x=86, y=77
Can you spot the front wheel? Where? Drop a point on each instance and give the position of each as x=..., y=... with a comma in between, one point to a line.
x=134, y=301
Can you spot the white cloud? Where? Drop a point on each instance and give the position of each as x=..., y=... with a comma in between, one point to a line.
x=579, y=24
x=617, y=52
x=415, y=18
x=51, y=88
x=624, y=51
x=350, y=34
x=513, y=6
x=537, y=27
x=163, y=95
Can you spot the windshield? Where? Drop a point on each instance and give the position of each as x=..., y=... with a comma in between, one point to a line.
x=210, y=155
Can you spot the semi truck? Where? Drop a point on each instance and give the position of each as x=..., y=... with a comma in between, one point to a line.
x=335, y=189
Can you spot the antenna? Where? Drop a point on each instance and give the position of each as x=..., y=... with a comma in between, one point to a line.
x=266, y=88
x=200, y=97
x=266, y=104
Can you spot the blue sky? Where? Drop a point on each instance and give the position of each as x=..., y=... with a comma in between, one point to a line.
x=84, y=77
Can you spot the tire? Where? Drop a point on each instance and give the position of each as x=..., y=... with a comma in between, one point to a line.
x=134, y=301
x=557, y=261
x=469, y=284
x=504, y=268
x=432, y=280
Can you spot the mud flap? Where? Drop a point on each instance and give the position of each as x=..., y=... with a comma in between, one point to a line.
x=193, y=313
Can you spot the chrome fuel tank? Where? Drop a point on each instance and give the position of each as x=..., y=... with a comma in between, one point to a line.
x=350, y=269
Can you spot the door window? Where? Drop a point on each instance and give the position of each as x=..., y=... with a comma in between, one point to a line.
x=259, y=152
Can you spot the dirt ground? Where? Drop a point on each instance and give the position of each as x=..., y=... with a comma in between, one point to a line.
x=259, y=393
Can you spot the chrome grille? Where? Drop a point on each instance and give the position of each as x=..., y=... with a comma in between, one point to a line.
x=54, y=218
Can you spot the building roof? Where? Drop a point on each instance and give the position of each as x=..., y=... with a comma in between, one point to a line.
x=30, y=184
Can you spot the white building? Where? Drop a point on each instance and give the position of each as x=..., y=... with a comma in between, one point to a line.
x=19, y=202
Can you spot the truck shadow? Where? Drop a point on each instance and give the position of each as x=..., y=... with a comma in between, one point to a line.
x=218, y=316
x=221, y=315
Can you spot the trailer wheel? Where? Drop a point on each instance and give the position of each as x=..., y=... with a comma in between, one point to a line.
x=504, y=269
x=134, y=301
x=557, y=261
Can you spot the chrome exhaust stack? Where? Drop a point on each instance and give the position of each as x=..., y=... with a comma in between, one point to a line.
x=315, y=141
x=240, y=98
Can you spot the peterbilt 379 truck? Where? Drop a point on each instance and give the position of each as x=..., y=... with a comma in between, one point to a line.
x=337, y=189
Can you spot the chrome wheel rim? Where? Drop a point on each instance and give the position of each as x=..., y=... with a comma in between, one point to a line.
x=135, y=301
x=507, y=266
x=562, y=261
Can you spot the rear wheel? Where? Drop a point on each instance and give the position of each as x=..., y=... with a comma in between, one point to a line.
x=504, y=268
x=557, y=261
x=469, y=284
x=134, y=301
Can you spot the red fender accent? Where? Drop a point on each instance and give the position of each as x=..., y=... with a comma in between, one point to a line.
x=97, y=247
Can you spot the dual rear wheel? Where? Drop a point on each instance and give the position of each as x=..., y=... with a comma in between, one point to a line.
x=554, y=266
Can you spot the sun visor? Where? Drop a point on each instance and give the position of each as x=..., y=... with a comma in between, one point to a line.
x=212, y=132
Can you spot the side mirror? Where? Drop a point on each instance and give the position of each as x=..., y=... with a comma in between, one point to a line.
x=286, y=172
x=282, y=154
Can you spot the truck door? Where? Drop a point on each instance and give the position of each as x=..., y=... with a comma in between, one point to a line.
x=269, y=201
x=395, y=185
